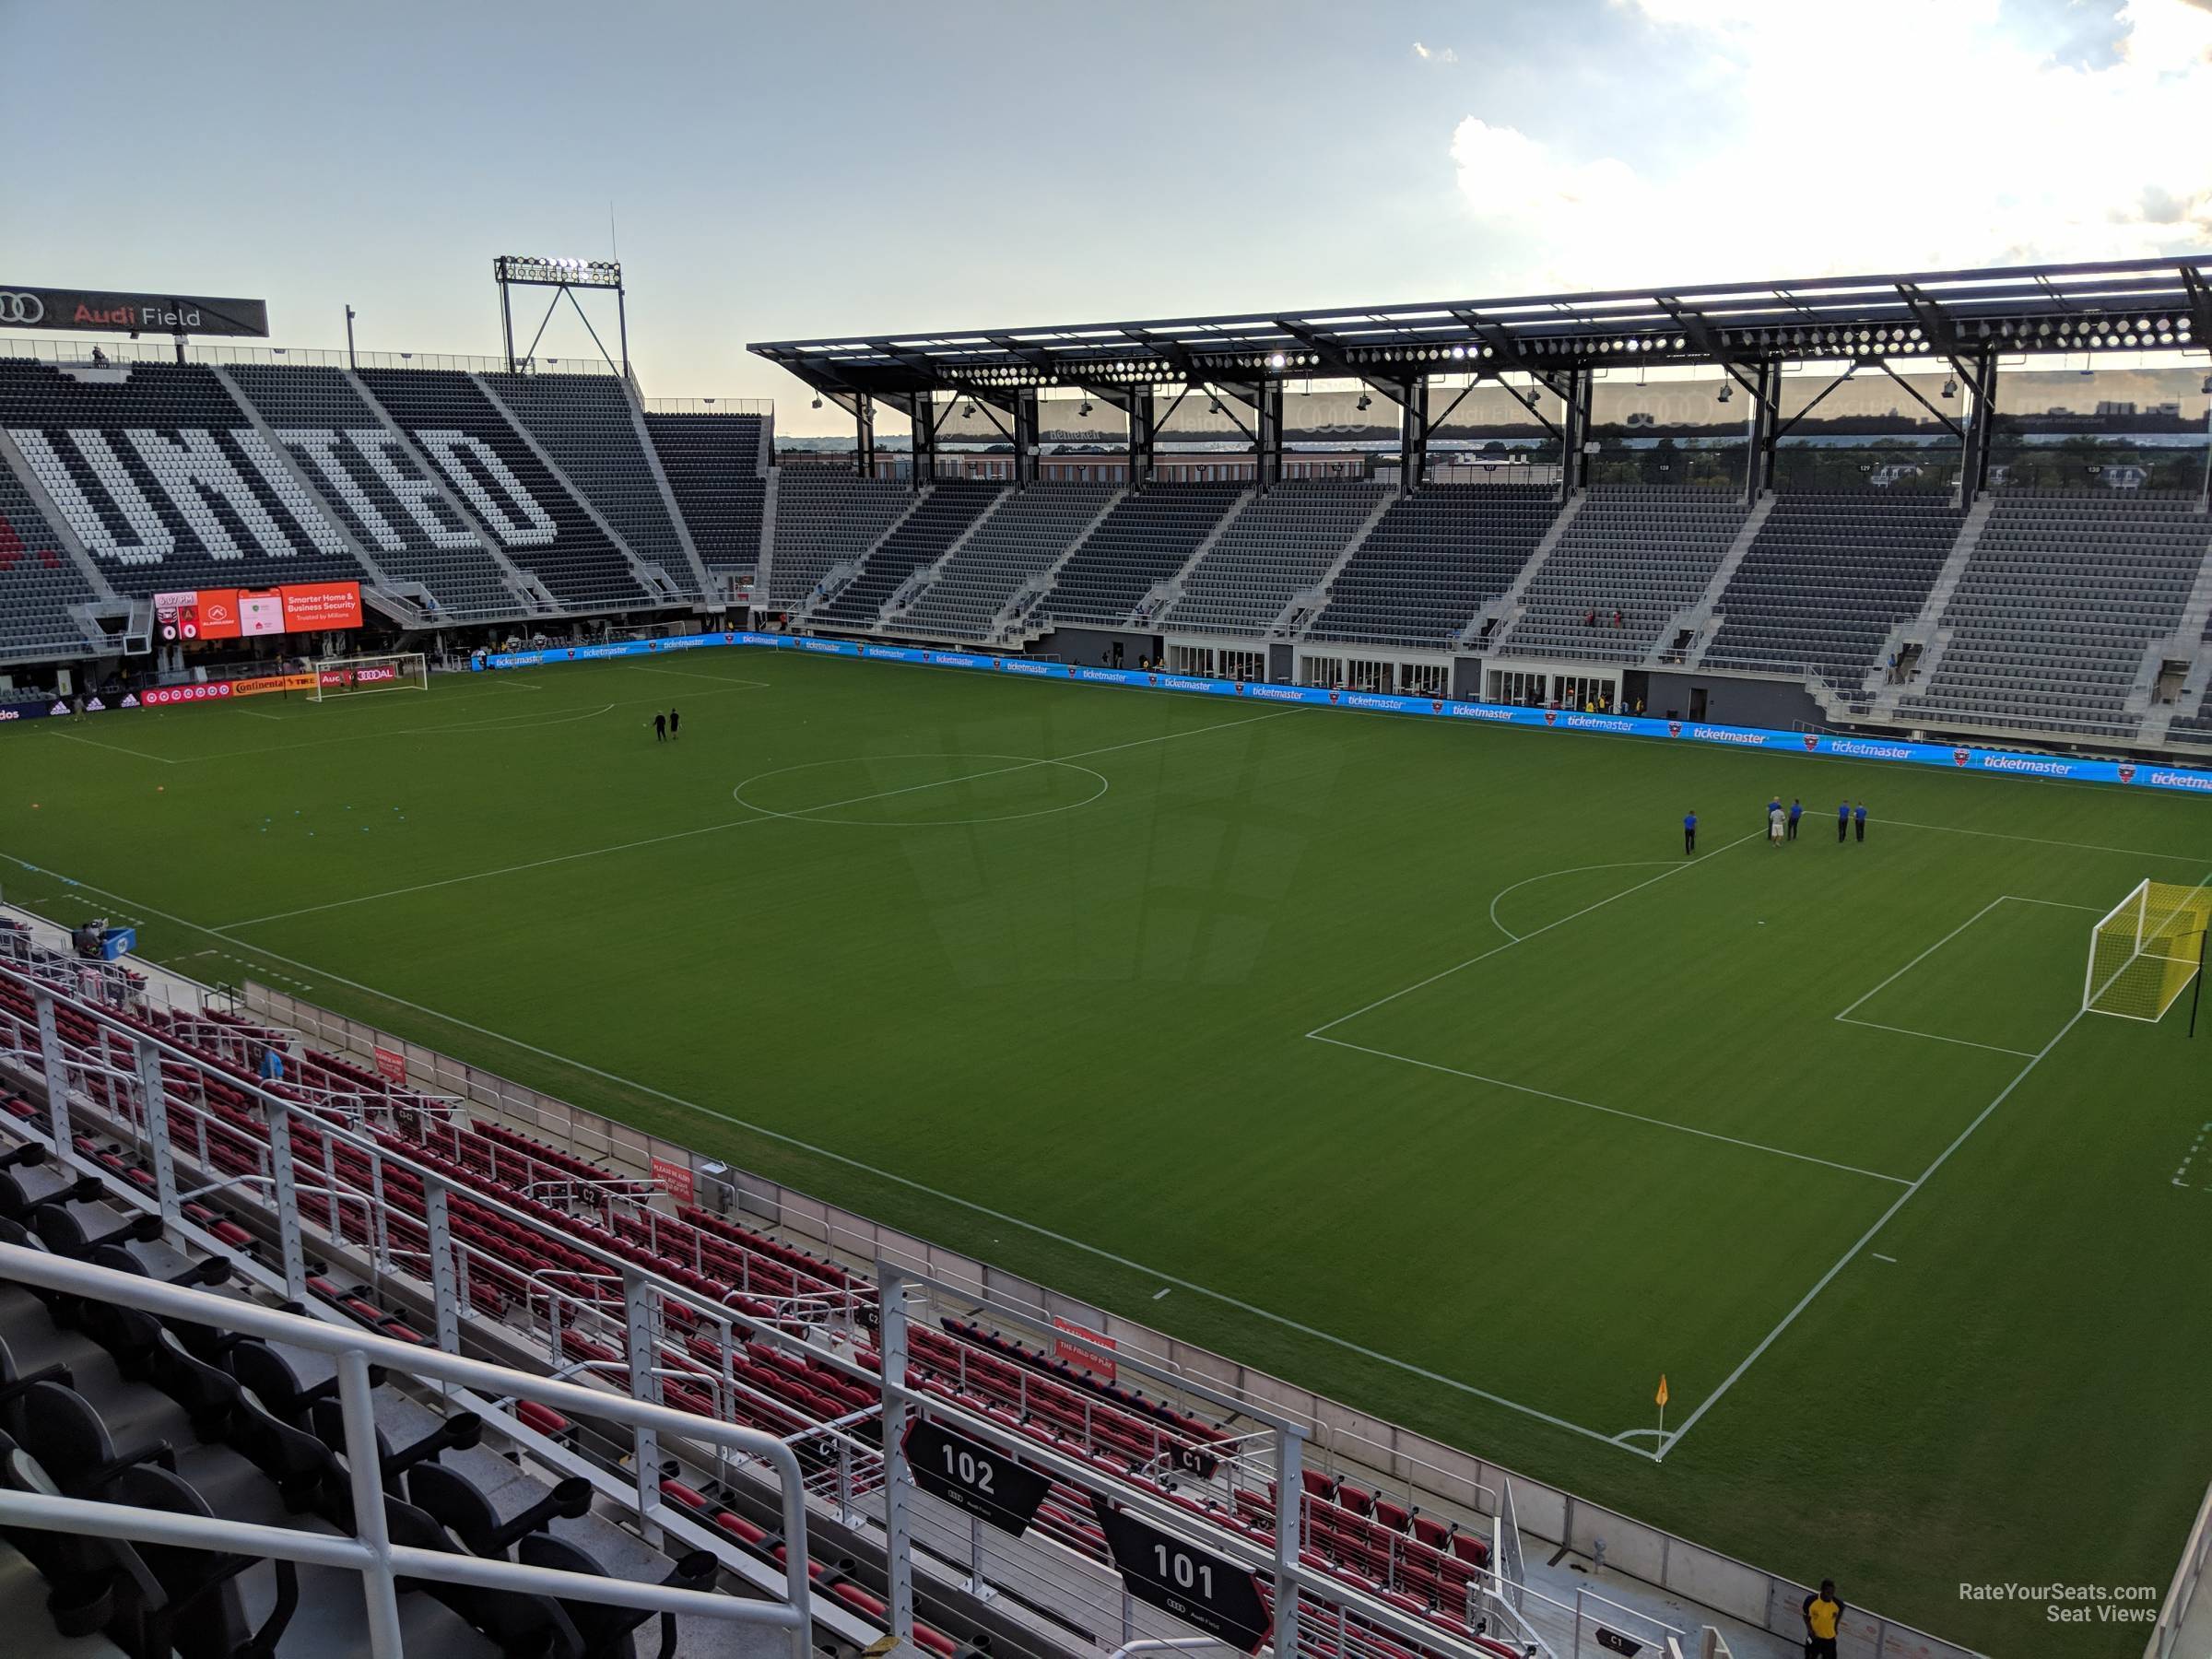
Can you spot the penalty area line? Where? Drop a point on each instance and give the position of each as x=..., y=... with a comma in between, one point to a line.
x=1523, y=938
x=1865, y=1238
x=1545, y=1094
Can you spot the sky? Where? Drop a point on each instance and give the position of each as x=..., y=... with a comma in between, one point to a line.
x=795, y=171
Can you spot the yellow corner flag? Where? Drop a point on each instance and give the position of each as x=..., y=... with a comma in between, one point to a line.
x=1662, y=1388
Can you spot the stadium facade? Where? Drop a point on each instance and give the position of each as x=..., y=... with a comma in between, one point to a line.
x=1898, y=527
x=911, y=1449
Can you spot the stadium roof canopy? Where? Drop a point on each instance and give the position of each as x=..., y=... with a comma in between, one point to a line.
x=2128, y=305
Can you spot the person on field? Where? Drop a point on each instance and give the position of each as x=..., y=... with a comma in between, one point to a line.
x=1796, y=812
x=1859, y=820
x=1774, y=823
x=1842, y=821
x=1689, y=831
x=675, y=720
x=660, y=729
x=1823, y=1618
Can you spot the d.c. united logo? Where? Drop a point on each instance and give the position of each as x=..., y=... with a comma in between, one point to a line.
x=2127, y=771
x=1437, y=707
x=1151, y=680
x=1551, y=717
x=1959, y=757
x=1674, y=728
x=1331, y=696
x=1812, y=742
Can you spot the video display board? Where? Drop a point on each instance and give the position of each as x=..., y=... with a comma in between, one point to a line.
x=188, y=616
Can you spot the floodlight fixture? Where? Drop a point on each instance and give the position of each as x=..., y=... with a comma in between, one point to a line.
x=547, y=270
x=1277, y=361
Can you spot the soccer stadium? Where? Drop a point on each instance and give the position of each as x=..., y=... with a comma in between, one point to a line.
x=1473, y=978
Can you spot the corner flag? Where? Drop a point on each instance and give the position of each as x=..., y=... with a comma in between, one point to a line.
x=1662, y=1388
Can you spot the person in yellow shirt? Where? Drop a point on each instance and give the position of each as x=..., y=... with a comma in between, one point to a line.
x=1823, y=1615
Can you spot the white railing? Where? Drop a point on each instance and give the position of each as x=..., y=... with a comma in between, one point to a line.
x=369, y=1550
x=126, y=353
x=2188, y=1585
x=134, y=1096
x=709, y=406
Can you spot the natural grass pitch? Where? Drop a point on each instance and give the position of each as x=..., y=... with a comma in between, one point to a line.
x=1413, y=1062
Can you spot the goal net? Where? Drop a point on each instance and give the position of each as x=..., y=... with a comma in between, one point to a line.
x=2143, y=955
x=344, y=677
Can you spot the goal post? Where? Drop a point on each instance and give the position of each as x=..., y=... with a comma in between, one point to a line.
x=346, y=677
x=2146, y=949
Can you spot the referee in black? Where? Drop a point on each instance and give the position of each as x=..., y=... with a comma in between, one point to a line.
x=675, y=720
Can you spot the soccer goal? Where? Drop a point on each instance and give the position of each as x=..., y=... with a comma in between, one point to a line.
x=2146, y=952
x=343, y=676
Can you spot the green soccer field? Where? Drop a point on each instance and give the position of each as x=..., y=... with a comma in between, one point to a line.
x=1413, y=1062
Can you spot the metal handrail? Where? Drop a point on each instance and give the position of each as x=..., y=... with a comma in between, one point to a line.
x=370, y=1552
x=709, y=406
x=124, y=354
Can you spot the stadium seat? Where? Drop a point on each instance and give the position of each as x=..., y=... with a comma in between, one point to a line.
x=1433, y=560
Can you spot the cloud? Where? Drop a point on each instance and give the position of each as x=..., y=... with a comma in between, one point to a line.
x=1828, y=149
x=1435, y=54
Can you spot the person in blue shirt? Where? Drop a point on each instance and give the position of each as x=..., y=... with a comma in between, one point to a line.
x=1861, y=816
x=1796, y=812
x=1689, y=831
x=272, y=1064
x=1842, y=822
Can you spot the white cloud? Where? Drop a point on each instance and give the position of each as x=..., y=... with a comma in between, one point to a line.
x=1435, y=54
x=1921, y=136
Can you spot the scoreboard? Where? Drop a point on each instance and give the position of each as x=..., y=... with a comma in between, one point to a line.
x=246, y=613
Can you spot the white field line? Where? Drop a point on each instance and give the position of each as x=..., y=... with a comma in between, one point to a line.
x=721, y=679
x=1717, y=749
x=1994, y=1048
x=1172, y=1280
x=1485, y=956
x=118, y=749
x=1867, y=1237
x=1545, y=1094
x=1633, y=864
x=490, y=723
x=759, y=817
x=1924, y=955
x=2041, y=840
